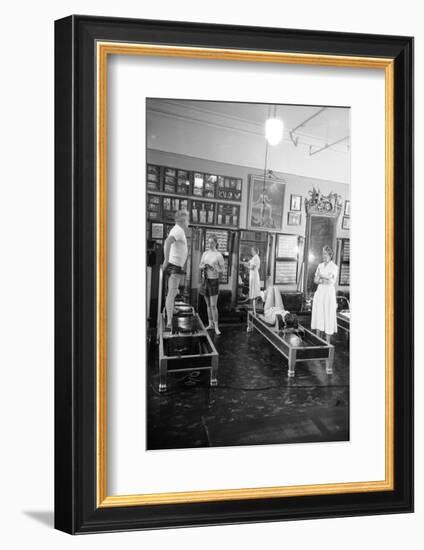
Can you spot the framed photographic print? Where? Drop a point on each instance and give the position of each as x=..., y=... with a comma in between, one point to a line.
x=199, y=184
x=157, y=230
x=285, y=272
x=153, y=178
x=294, y=218
x=228, y=214
x=163, y=378
x=229, y=188
x=347, y=208
x=266, y=202
x=296, y=202
x=346, y=222
x=183, y=182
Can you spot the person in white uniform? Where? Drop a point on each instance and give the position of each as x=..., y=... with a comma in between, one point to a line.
x=211, y=265
x=254, y=265
x=175, y=251
x=324, y=306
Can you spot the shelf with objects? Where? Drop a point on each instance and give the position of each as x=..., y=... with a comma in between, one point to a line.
x=227, y=215
x=229, y=188
x=194, y=183
x=202, y=212
x=170, y=205
x=170, y=189
x=153, y=182
x=154, y=207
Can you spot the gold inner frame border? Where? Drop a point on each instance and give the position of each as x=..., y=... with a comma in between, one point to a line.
x=103, y=50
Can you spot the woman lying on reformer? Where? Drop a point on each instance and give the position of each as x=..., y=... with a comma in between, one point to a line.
x=276, y=315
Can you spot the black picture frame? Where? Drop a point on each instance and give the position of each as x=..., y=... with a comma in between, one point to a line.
x=294, y=218
x=346, y=222
x=296, y=203
x=157, y=230
x=77, y=508
x=347, y=208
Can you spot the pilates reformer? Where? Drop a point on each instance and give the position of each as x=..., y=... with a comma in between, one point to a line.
x=343, y=321
x=297, y=346
x=343, y=315
x=187, y=346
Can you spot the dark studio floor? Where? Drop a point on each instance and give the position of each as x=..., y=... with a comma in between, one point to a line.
x=255, y=402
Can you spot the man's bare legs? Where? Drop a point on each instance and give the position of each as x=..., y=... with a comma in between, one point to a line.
x=173, y=285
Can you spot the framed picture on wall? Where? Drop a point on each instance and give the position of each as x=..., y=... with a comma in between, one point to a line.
x=346, y=222
x=347, y=208
x=266, y=203
x=294, y=218
x=296, y=203
x=107, y=352
x=157, y=230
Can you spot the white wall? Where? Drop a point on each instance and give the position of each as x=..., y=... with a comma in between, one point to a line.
x=26, y=276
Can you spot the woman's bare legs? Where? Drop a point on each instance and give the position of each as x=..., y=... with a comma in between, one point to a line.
x=278, y=299
x=210, y=318
x=254, y=306
x=214, y=310
x=270, y=299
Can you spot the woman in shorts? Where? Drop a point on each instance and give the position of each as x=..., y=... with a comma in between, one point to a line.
x=211, y=265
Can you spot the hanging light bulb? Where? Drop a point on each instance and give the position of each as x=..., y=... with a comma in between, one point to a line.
x=274, y=130
x=274, y=127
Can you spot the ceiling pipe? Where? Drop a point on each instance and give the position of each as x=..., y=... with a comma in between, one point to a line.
x=326, y=146
x=295, y=140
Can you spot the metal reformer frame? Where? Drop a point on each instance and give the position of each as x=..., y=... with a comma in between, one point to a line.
x=175, y=363
x=323, y=351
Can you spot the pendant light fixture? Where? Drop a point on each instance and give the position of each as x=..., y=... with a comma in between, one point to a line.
x=274, y=128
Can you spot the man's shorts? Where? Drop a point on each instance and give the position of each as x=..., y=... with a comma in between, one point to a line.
x=175, y=275
x=172, y=269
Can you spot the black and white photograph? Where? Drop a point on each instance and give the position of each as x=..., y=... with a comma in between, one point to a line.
x=294, y=218
x=347, y=208
x=296, y=203
x=248, y=291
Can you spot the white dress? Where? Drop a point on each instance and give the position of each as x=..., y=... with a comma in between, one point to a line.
x=254, y=280
x=324, y=306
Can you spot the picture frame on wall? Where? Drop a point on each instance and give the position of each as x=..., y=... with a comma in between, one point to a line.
x=157, y=230
x=266, y=203
x=94, y=491
x=347, y=208
x=296, y=203
x=346, y=222
x=294, y=218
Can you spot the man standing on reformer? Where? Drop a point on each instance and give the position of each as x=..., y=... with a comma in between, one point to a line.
x=175, y=251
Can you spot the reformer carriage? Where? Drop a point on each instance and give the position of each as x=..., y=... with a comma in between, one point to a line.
x=308, y=348
x=187, y=346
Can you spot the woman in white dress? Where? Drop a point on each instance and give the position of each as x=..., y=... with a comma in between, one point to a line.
x=254, y=265
x=211, y=265
x=324, y=306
